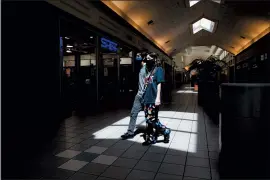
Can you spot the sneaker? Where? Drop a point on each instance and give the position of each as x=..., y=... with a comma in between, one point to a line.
x=127, y=136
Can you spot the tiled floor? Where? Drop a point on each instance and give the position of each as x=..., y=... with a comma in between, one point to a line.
x=91, y=148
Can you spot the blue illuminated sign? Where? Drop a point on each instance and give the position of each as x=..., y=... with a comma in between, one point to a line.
x=107, y=44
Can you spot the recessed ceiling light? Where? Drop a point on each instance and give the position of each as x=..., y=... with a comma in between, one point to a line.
x=68, y=51
x=91, y=37
x=69, y=46
x=67, y=38
x=151, y=22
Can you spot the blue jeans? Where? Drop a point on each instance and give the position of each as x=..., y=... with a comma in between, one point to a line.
x=137, y=107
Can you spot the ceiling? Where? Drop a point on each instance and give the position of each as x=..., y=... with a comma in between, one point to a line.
x=237, y=25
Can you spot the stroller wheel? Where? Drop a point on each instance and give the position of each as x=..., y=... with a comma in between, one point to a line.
x=147, y=143
x=166, y=138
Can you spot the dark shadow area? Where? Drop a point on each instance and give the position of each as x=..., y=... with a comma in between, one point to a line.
x=30, y=81
x=244, y=131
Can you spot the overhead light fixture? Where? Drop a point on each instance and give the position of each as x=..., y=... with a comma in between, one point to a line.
x=68, y=51
x=91, y=37
x=67, y=38
x=151, y=22
x=193, y=2
x=203, y=23
x=69, y=46
x=217, y=1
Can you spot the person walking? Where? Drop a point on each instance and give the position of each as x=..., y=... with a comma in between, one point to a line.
x=152, y=101
x=138, y=101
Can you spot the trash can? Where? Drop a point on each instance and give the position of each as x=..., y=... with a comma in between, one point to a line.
x=244, y=134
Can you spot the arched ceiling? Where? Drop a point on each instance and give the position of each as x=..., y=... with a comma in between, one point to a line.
x=237, y=26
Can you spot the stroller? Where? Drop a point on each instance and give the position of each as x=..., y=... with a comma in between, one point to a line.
x=153, y=131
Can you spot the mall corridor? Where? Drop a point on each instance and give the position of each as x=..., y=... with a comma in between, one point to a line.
x=91, y=148
x=71, y=70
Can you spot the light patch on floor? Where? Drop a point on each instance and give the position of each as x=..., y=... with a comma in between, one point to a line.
x=182, y=128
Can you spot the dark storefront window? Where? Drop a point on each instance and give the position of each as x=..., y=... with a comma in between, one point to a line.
x=79, y=67
x=108, y=76
x=116, y=64
x=252, y=65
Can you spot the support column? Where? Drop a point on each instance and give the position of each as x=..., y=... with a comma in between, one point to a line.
x=98, y=69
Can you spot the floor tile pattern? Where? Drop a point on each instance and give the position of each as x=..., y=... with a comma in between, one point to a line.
x=92, y=149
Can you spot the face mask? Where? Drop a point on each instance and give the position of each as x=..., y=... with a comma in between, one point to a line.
x=150, y=64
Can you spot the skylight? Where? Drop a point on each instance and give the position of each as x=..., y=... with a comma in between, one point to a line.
x=203, y=23
x=193, y=2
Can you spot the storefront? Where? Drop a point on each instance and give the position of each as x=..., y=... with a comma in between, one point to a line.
x=98, y=69
x=116, y=63
x=253, y=65
x=78, y=56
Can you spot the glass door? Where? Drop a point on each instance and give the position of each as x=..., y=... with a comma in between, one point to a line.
x=108, y=76
x=126, y=76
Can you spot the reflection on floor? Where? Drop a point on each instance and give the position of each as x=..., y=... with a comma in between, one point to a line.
x=91, y=148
